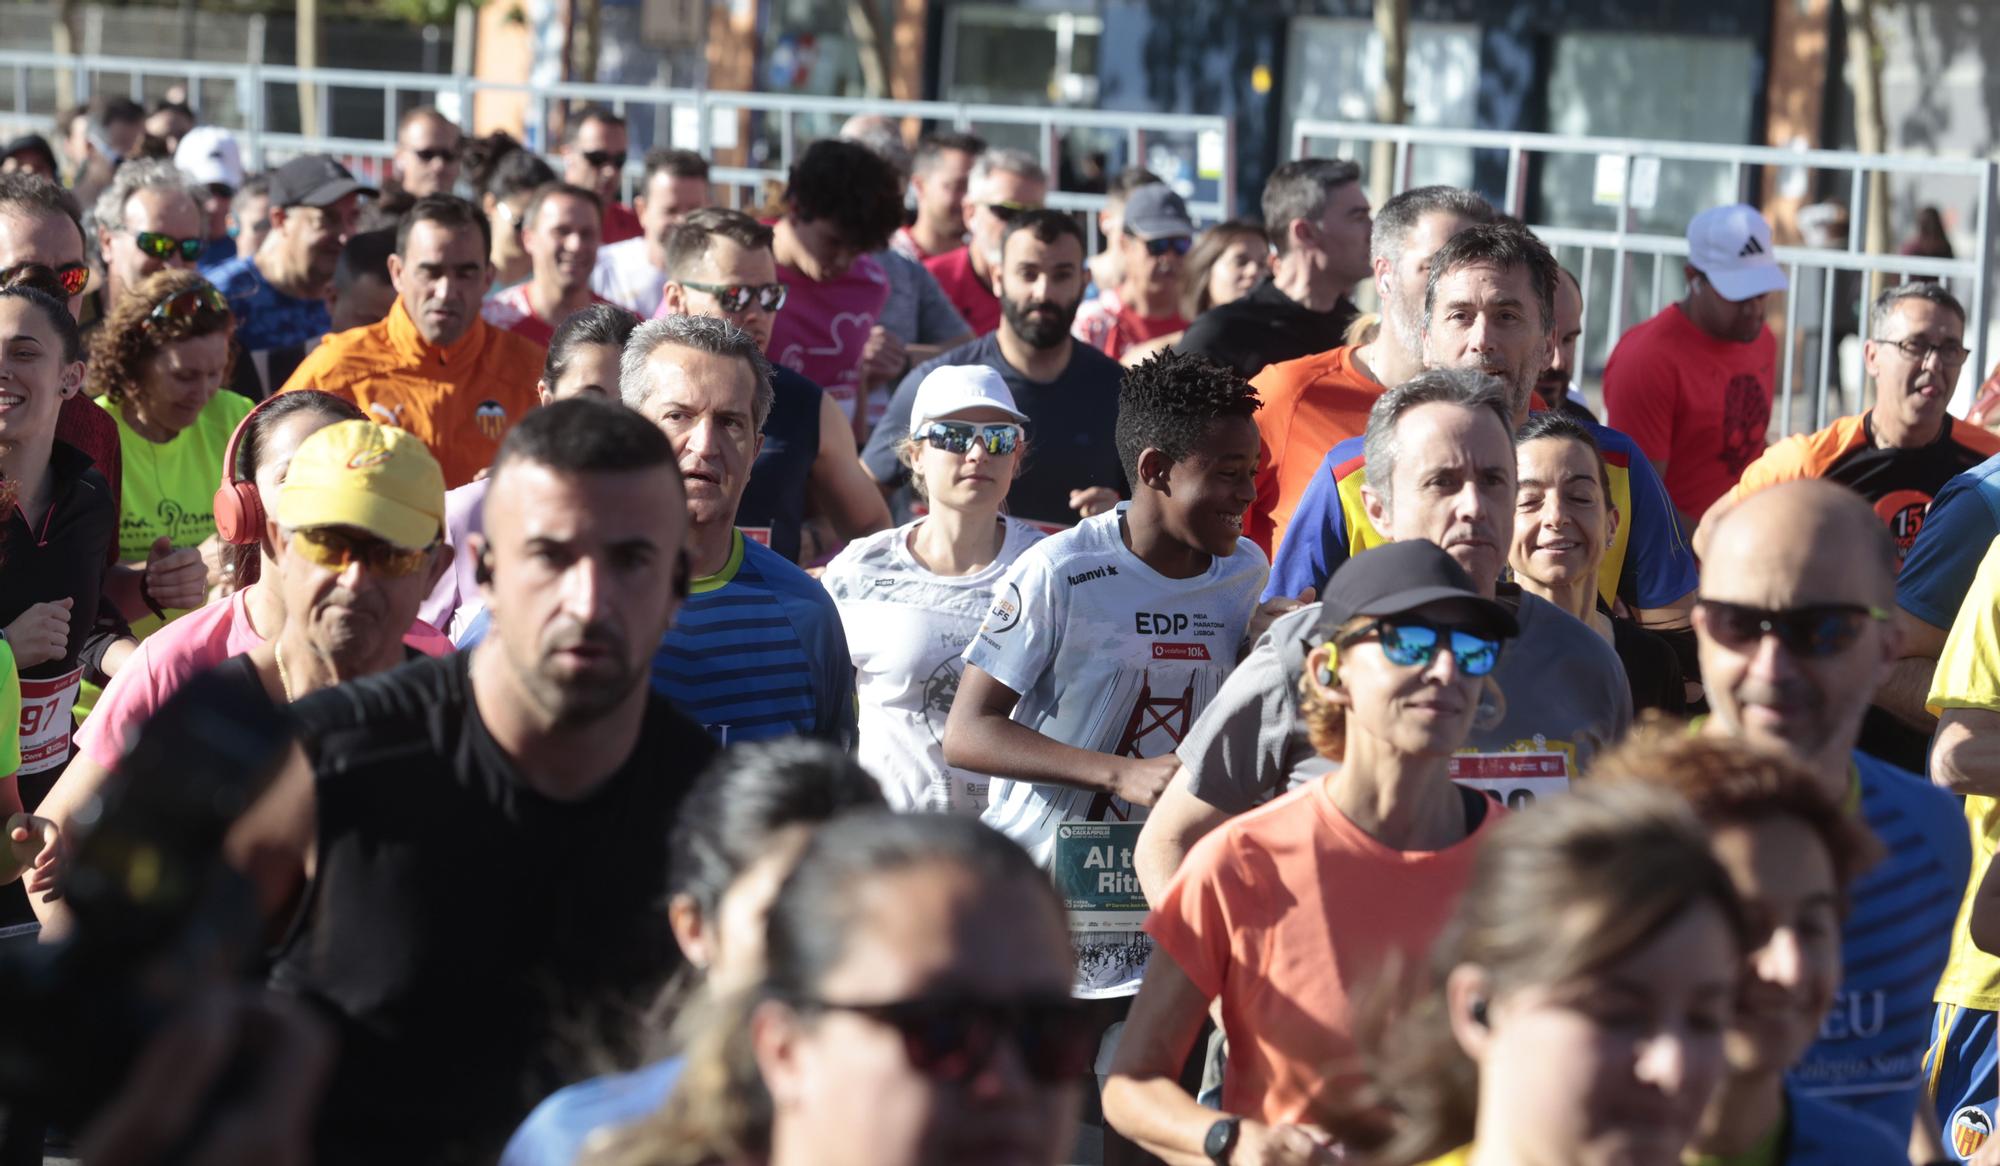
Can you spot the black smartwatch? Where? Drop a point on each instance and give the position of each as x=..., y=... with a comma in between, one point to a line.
x=1221, y=1140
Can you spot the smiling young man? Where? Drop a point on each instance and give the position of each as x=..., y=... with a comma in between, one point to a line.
x=433, y=366
x=560, y=230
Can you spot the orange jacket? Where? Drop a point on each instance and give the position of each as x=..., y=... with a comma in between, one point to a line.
x=460, y=401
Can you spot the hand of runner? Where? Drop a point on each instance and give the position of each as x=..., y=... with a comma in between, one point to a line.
x=1267, y=614
x=215, y=560
x=176, y=578
x=41, y=633
x=1260, y=1145
x=1141, y=780
x=1093, y=501
x=883, y=357
x=34, y=847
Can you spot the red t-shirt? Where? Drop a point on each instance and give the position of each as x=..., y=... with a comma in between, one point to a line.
x=1699, y=404
x=1112, y=328
x=514, y=311
x=620, y=223
x=971, y=295
x=1291, y=915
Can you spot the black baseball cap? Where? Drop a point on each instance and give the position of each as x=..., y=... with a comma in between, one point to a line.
x=32, y=144
x=1400, y=577
x=313, y=180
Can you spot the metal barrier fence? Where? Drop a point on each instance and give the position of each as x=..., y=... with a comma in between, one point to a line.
x=696, y=119
x=1625, y=178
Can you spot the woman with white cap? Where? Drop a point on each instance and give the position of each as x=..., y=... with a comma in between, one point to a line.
x=911, y=598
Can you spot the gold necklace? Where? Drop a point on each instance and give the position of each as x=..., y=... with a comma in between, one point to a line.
x=284, y=681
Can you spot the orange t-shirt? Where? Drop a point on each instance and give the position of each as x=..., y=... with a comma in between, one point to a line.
x=1288, y=966
x=1310, y=405
x=459, y=401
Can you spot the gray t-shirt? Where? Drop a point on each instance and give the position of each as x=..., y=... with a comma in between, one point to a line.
x=1566, y=699
x=917, y=311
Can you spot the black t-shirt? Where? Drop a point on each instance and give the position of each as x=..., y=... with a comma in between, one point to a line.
x=1651, y=668
x=1071, y=424
x=1265, y=327
x=775, y=497
x=470, y=938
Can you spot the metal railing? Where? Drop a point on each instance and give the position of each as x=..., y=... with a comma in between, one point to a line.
x=1618, y=162
x=698, y=119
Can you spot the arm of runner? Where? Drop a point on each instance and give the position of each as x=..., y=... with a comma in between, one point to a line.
x=980, y=735
x=1966, y=756
x=1984, y=922
x=839, y=484
x=1177, y=821
x=79, y=782
x=1143, y=1098
x=1909, y=684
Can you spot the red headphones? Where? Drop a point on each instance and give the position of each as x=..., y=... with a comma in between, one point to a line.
x=239, y=509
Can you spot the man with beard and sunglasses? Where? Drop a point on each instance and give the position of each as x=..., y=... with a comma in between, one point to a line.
x=1068, y=390
x=481, y=839
x=1795, y=631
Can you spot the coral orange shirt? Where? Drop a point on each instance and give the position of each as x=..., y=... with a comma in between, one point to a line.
x=1292, y=915
x=1310, y=405
x=459, y=401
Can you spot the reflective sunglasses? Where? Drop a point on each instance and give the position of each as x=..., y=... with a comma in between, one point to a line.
x=998, y=439
x=953, y=1039
x=437, y=154
x=189, y=302
x=164, y=246
x=1005, y=211
x=328, y=548
x=1819, y=629
x=1177, y=244
x=72, y=276
x=735, y=297
x=1412, y=643
x=599, y=159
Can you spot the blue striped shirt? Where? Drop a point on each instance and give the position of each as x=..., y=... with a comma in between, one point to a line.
x=757, y=652
x=1870, y=1051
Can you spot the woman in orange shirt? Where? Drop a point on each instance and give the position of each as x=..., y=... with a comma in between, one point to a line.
x=1288, y=914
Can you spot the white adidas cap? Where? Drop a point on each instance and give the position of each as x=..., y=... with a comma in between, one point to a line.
x=1731, y=245
x=211, y=156
x=955, y=388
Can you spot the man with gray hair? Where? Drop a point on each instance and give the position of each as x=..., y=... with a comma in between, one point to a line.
x=1440, y=453
x=1317, y=218
x=1316, y=401
x=758, y=650
x=940, y=175
x=1003, y=184
x=149, y=219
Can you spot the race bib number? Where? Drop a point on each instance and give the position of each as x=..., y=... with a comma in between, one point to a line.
x=1094, y=874
x=1517, y=779
x=45, y=719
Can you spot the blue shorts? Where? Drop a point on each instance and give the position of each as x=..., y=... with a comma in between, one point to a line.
x=1963, y=1070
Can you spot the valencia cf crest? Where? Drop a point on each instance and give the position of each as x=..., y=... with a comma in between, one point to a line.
x=492, y=419
x=1970, y=1127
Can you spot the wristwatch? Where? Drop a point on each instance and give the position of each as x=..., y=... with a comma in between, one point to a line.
x=1221, y=1140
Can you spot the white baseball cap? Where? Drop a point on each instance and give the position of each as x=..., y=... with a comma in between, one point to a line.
x=955, y=388
x=210, y=154
x=1731, y=246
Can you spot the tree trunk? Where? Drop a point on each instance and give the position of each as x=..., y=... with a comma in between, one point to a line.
x=66, y=36
x=586, y=28
x=864, y=19
x=1864, y=63
x=307, y=45
x=1392, y=26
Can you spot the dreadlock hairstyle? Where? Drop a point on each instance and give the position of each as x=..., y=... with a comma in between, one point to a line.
x=1169, y=401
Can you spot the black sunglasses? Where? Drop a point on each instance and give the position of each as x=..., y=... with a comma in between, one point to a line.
x=1005, y=211
x=599, y=159
x=952, y=1039
x=437, y=154
x=1177, y=244
x=734, y=297
x=1818, y=629
x=163, y=246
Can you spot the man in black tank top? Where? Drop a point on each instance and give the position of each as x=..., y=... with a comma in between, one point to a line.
x=486, y=832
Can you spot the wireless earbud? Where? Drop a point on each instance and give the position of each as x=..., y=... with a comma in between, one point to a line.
x=482, y=570
x=1479, y=1013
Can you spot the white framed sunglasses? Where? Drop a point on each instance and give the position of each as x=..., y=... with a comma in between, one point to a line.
x=997, y=438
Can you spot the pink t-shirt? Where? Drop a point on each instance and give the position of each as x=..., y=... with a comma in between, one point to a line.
x=165, y=660
x=464, y=515
x=823, y=326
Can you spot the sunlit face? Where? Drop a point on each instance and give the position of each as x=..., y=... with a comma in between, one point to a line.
x=1238, y=269
x=1208, y=491
x=1161, y=273
x=356, y=614
x=728, y=263
x=442, y=276
x=1739, y=320
x=1553, y=384
x=705, y=403
x=843, y=1084
x=1453, y=486
x=1916, y=392
x=562, y=240
x=591, y=368
x=1417, y=710
x=976, y=480
x=34, y=378
x=941, y=192
x=1488, y=318
x=1785, y=877
x=314, y=235
x=153, y=210
x=667, y=200
x=51, y=240
x=427, y=156
x=177, y=382
x=1401, y=288
x=250, y=220
x=1562, y=518
x=987, y=204
x=1614, y=1067
x=1041, y=285
x=596, y=159
x=1340, y=236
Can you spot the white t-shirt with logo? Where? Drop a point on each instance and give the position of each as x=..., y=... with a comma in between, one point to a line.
x=907, y=628
x=1110, y=656
x=625, y=275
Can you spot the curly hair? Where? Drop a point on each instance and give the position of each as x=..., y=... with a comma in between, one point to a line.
x=131, y=335
x=1169, y=401
x=850, y=186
